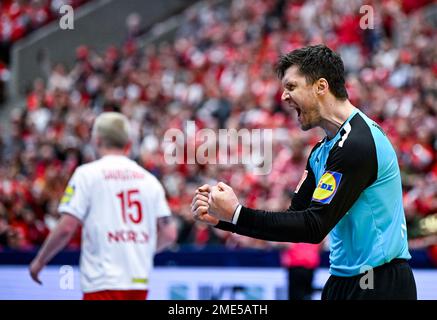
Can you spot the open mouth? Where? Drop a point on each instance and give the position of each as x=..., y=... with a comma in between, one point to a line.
x=296, y=107
x=298, y=111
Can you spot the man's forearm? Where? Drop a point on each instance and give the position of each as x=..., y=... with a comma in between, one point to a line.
x=54, y=243
x=288, y=226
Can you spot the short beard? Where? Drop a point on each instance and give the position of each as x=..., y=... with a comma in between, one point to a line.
x=306, y=127
x=312, y=124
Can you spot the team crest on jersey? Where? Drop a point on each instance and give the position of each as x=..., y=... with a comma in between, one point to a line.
x=68, y=194
x=327, y=187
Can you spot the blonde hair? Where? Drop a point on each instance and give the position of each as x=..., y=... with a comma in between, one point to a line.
x=112, y=129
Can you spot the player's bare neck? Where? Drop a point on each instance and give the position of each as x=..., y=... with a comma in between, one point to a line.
x=111, y=152
x=334, y=115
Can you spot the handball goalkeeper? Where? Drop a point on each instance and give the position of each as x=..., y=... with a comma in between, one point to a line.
x=351, y=188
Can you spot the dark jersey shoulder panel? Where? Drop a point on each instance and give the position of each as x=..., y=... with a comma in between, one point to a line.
x=353, y=158
x=302, y=197
x=355, y=150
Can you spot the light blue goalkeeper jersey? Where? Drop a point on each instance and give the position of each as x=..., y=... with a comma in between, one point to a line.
x=373, y=230
x=351, y=189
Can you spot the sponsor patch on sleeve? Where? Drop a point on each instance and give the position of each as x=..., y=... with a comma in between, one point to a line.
x=327, y=187
x=68, y=194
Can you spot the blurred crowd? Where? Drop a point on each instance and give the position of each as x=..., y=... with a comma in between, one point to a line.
x=219, y=72
x=20, y=17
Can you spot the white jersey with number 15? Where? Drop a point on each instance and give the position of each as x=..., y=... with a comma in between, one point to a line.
x=118, y=203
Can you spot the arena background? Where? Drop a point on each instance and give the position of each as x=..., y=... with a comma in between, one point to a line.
x=164, y=63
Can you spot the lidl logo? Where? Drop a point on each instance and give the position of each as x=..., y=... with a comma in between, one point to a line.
x=68, y=194
x=327, y=187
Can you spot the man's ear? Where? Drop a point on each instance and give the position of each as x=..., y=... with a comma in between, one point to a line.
x=321, y=87
x=97, y=141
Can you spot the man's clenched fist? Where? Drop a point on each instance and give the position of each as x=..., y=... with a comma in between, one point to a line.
x=222, y=202
x=200, y=206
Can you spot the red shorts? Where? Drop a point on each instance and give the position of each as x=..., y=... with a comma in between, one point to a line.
x=116, y=295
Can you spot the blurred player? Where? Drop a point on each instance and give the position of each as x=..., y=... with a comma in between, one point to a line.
x=301, y=261
x=351, y=188
x=124, y=216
